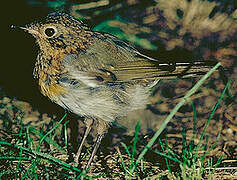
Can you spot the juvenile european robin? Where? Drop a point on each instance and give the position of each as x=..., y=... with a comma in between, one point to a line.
x=96, y=75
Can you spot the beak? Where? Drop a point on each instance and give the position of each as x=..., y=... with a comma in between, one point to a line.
x=19, y=27
x=26, y=29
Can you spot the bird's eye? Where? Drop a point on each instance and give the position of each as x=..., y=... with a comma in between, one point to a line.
x=50, y=32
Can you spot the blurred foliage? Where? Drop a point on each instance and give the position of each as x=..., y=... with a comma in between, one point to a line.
x=51, y=4
x=120, y=18
x=137, y=21
x=122, y=29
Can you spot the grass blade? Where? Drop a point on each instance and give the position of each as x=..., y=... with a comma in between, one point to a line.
x=170, y=116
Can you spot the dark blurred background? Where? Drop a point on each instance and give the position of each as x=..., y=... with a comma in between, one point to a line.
x=19, y=54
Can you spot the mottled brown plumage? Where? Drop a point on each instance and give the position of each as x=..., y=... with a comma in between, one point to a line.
x=96, y=75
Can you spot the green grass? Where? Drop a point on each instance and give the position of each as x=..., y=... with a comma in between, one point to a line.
x=190, y=161
x=170, y=116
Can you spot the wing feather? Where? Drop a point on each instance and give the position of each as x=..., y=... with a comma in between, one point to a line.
x=109, y=59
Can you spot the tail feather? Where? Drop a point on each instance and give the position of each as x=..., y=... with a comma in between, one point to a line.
x=159, y=70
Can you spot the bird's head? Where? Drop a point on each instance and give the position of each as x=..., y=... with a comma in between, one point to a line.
x=60, y=32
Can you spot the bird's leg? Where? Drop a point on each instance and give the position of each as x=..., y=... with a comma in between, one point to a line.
x=89, y=123
x=97, y=144
x=102, y=128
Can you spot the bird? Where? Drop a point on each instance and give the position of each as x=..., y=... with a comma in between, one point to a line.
x=96, y=75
